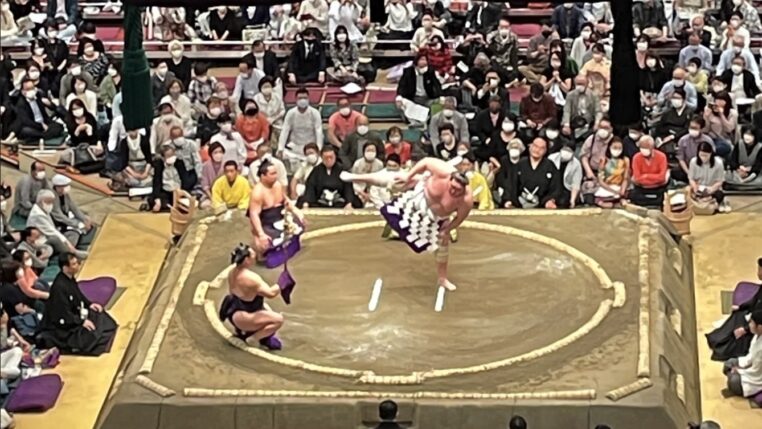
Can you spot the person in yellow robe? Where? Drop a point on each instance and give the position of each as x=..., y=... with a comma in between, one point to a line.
x=231, y=190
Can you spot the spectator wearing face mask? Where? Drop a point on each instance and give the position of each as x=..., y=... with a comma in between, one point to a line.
x=497, y=145
x=581, y=111
x=180, y=102
x=567, y=20
x=32, y=117
x=439, y=57
x=160, y=130
x=231, y=141
x=271, y=105
x=650, y=175
x=649, y=17
x=134, y=169
x=211, y=170
x=423, y=35
x=254, y=128
x=368, y=163
x=396, y=145
x=342, y=122
x=81, y=125
x=307, y=62
x=40, y=218
x=477, y=183
x=651, y=79
x=160, y=81
x=80, y=92
x=246, y=83
x=582, y=44
x=697, y=27
x=40, y=82
x=34, y=243
x=263, y=58
x=642, y=46
x=699, y=77
x=92, y=61
x=706, y=176
x=598, y=64
x=201, y=88
x=487, y=121
x=449, y=115
x=75, y=70
x=221, y=23
x=735, y=29
x=324, y=187
x=571, y=173
x=503, y=50
x=178, y=63
x=311, y=159
x=721, y=122
x=538, y=183
x=352, y=148
x=696, y=50
x=66, y=8
x=729, y=53
x=489, y=86
x=110, y=86
x=28, y=187
x=186, y=151
x=170, y=174
x=594, y=148
x=344, y=58
x=318, y=10
x=746, y=159
x=207, y=125
x=73, y=222
x=613, y=176
x=557, y=79
x=418, y=84
x=674, y=121
x=448, y=144
x=537, y=54
x=505, y=177
x=537, y=108
x=552, y=134
x=678, y=81
x=741, y=83
x=302, y=124
x=43, y=64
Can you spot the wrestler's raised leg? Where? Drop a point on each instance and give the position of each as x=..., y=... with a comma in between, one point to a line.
x=379, y=178
x=442, y=255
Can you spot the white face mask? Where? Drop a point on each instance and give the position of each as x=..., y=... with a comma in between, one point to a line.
x=177, y=53
x=28, y=263
x=88, y=51
x=585, y=34
x=302, y=103
x=748, y=138
x=551, y=134
x=370, y=156
x=448, y=113
x=645, y=152
x=34, y=74
x=395, y=139
x=508, y=127
x=66, y=189
x=215, y=111
x=514, y=153
x=736, y=68
x=161, y=71
x=423, y=70
x=78, y=113
x=40, y=175
x=718, y=88
x=266, y=90
x=76, y=71
x=47, y=208
x=341, y=37
x=692, y=69
x=3, y=205
x=704, y=158
x=171, y=160
x=312, y=159
x=362, y=130
x=634, y=136
x=737, y=2
x=217, y=157
x=642, y=46
x=566, y=155
x=504, y=32
x=616, y=153
x=40, y=242
x=226, y=128
x=112, y=72
x=462, y=152
x=603, y=133
x=345, y=111
x=677, y=103
x=31, y=94
x=651, y=63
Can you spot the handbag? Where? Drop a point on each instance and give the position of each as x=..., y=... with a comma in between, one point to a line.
x=26, y=324
x=82, y=158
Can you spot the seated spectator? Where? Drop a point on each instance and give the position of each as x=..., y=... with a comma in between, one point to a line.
x=741, y=83
x=12, y=299
x=538, y=183
x=491, y=86
x=307, y=62
x=324, y=187
x=745, y=373
x=344, y=58
x=163, y=124
x=28, y=281
x=34, y=243
x=81, y=124
x=41, y=219
x=537, y=109
x=299, y=180
x=721, y=121
x=110, y=86
x=423, y=35
x=42, y=64
x=674, y=122
x=706, y=174
x=387, y=412
x=688, y=146
x=570, y=170
x=34, y=123
x=598, y=64
x=396, y=145
x=201, y=88
x=487, y=121
x=253, y=128
x=746, y=159
x=537, y=54
x=134, y=167
x=449, y=115
x=212, y=169
x=594, y=149
x=582, y=45
x=11, y=354
x=80, y=92
x=483, y=16
x=649, y=18
x=317, y=10
x=342, y=122
x=264, y=154
x=478, y=184
x=207, y=125
x=369, y=163
x=246, y=83
x=733, y=338
x=439, y=58
x=271, y=105
x=302, y=125
x=567, y=20
x=650, y=175
x=186, y=151
x=750, y=15
x=352, y=149
x=346, y=14
x=181, y=104
x=556, y=140
x=448, y=144
x=222, y=24
x=75, y=224
x=160, y=81
x=613, y=176
x=651, y=80
x=557, y=78
x=696, y=50
x=506, y=176
x=231, y=190
x=28, y=187
x=678, y=82
x=169, y=175
x=497, y=145
x=735, y=28
x=71, y=322
x=738, y=47
x=697, y=27
x=698, y=76
x=179, y=65
x=399, y=20
x=9, y=28
x=581, y=111
x=418, y=84
x=92, y=61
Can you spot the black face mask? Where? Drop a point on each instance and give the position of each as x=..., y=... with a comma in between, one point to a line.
x=547, y=33
x=251, y=111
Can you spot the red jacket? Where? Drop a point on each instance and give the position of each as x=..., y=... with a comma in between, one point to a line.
x=650, y=173
x=440, y=60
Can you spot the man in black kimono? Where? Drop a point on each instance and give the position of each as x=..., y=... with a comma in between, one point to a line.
x=538, y=182
x=324, y=187
x=733, y=338
x=71, y=322
x=307, y=62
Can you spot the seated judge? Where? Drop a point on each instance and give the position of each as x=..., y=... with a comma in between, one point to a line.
x=538, y=183
x=745, y=373
x=71, y=322
x=41, y=219
x=231, y=190
x=307, y=61
x=28, y=187
x=324, y=187
x=75, y=224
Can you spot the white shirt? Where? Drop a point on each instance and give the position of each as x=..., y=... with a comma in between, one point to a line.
x=750, y=368
x=400, y=17
x=235, y=147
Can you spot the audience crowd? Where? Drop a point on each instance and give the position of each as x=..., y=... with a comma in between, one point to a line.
x=525, y=116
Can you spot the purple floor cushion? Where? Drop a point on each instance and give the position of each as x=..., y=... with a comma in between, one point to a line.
x=35, y=394
x=99, y=290
x=743, y=292
x=757, y=399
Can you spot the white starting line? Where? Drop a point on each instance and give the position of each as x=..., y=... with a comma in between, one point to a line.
x=440, y=299
x=375, y=296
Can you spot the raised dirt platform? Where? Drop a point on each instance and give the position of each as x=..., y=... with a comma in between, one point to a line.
x=569, y=319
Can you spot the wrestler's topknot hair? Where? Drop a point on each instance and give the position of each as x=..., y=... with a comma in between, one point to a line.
x=459, y=177
x=239, y=254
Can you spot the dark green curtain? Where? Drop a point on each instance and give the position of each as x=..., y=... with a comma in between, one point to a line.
x=137, y=105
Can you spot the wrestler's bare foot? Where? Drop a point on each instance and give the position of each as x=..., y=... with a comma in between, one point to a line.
x=447, y=284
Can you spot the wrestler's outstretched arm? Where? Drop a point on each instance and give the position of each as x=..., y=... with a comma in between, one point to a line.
x=264, y=289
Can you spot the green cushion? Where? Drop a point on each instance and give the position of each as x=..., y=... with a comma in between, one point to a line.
x=412, y=135
x=17, y=222
x=50, y=272
x=327, y=110
x=382, y=111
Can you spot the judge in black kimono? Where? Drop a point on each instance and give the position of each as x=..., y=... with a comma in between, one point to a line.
x=538, y=183
x=733, y=338
x=71, y=322
x=307, y=62
x=324, y=187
